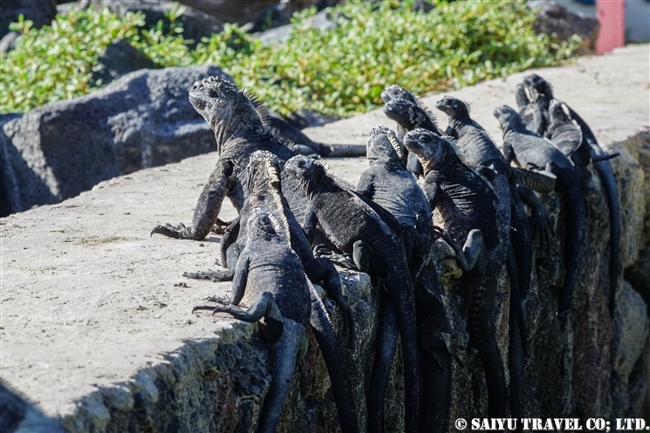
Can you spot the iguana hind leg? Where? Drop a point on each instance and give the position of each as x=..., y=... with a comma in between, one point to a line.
x=472, y=254
x=263, y=306
x=321, y=269
x=226, y=275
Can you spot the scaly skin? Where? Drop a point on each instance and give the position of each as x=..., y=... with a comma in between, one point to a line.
x=372, y=236
x=468, y=208
x=528, y=148
x=476, y=148
x=263, y=189
x=540, y=95
x=283, y=296
x=388, y=183
x=239, y=132
x=409, y=113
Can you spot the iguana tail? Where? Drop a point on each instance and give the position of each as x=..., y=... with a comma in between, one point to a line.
x=326, y=339
x=575, y=228
x=435, y=359
x=604, y=169
x=436, y=399
x=384, y=353
x=482, y=331
x=522, y=243
x=516, y=364
x=400, y=289
x=606, y=174
x=283, y=356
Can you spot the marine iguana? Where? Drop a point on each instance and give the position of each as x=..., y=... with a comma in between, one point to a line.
x=527, y=148
x=391, y=186
x=388, y=183
x=476, y=149
x=409, y=113
x=467, y=206
x=287, y=301
x=542, y=93
x=566, y=135
x=239, y=131
x=263, y=190
x=372, y=236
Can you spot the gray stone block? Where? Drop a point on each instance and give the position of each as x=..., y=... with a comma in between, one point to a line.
x=144, y=119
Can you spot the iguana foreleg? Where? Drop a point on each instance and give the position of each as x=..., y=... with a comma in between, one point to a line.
x=207, y=208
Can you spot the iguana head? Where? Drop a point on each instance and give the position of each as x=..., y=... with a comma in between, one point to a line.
x=508, y=118
x=406, y=113
x=383, y=143
x=430, y=148
x=263, y=170
x=453, y=107
x=396, y=92
x=537, y=87
x=559, y=111
x=261, y=224
x=224, y=106
x=306, y=170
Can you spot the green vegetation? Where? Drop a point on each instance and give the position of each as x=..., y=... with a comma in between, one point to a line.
x=339, y=72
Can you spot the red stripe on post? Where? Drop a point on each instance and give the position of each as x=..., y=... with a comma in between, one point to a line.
x=611, y=15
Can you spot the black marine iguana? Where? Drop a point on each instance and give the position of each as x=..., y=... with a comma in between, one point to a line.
x=388, y=183
x=477, y=150
x=468, y=208
x=566, y=135
x=541, y=93
x=263, y=190
x=239, y=131
x=391, y=186
x=409, y=113
x=287, y=301
x=527, y=148
x=372, y=236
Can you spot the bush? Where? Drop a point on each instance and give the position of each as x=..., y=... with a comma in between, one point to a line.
x=339, y=72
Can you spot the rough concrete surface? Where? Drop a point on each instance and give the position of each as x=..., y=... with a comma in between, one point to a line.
x=96, y=323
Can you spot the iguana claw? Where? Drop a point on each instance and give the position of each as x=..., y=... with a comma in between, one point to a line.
x=177, y=232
